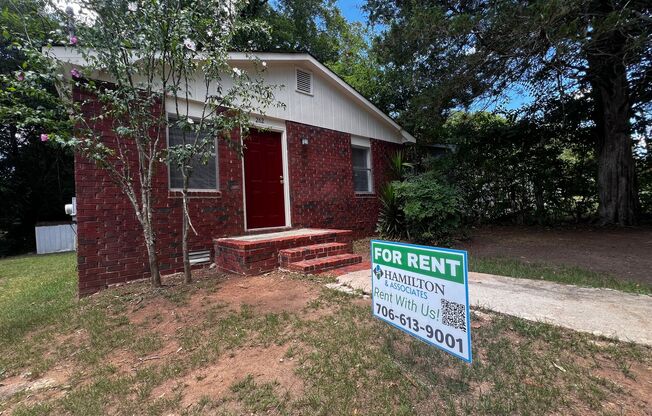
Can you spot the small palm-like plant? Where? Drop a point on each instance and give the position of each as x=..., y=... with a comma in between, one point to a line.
x=391, y=222
x=399, y=166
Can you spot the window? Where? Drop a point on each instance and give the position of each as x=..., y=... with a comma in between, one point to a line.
x=203, y=176
x=362, y=169
x=304, y=81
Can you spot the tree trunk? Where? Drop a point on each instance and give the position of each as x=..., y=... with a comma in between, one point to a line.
x=155, y=274
x=185, y=228
x=187, y=272
x=616, y=171
x=539, y=202
x=152, y=255
x=144, y=216
x=617, y=193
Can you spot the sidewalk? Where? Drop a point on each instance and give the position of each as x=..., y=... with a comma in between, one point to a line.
x=606, y=312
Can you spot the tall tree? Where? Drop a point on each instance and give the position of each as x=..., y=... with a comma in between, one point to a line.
x=36, y=178
x=151, y=56
x=319, y=28
x=442, y=55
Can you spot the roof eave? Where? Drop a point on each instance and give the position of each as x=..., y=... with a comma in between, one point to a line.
x=71, y=55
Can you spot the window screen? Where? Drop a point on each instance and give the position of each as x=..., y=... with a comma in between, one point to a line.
x=203, y=175
x=362, y=169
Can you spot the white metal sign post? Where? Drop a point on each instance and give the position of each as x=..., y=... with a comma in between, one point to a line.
x=423, y=291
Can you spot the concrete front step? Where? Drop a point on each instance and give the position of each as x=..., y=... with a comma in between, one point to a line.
x=324, y=263
x=314, y=251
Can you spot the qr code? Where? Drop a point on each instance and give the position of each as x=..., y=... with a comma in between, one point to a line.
x=453, y=314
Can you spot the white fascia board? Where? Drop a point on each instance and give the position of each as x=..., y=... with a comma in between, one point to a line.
x=62, y=53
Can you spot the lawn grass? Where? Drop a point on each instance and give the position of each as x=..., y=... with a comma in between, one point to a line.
x=34, y=291
x=519, y=367
x=347, y=361
x=561, y=274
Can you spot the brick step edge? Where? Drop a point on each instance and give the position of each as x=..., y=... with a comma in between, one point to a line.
x=314, y=251
x=324, y=263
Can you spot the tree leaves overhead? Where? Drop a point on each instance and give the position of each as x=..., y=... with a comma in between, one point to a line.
x=313, y=26
x=443, y=55
x=319, y=28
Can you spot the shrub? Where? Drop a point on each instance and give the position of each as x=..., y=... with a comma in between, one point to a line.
x=423, y=209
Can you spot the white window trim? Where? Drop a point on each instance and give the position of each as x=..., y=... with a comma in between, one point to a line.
x=194, y=190
x=358, y=144
x=312, y=81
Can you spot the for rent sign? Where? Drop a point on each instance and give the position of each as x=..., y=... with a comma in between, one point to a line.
x=423, y=291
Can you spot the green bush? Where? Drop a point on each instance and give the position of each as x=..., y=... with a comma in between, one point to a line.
x=523, y=168
x=422, y=208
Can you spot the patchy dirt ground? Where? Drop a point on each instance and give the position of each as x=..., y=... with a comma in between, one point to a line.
x=266, y=365
x=164, y=319
x=281, y=344
x=623, y=252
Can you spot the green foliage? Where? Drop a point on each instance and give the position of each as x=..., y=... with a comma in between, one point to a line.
x=36, y=178
x=356, y=63
x=399, y=167
x=535, y=168
x=391, y=221
x=529, y=167
x=313, y=26
x=422, y=208
x=432, y=209
x=644, y=168
x=440, y=56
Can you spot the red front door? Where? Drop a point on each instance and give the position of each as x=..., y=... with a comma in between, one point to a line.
x=263, y=170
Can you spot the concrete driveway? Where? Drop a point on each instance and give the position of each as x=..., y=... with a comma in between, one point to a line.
x=606, y=312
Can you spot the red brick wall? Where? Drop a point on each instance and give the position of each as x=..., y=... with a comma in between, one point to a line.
x=110, y=244
x=321, y=180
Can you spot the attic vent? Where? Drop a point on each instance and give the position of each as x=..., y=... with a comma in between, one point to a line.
x=199, y=257
x=304, y=81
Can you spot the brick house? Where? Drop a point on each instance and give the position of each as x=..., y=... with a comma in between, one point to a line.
x=316, y=165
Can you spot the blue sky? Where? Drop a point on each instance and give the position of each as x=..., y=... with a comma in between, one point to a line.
x=351, y=9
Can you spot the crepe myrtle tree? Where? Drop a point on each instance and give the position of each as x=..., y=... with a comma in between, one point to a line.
x=224, y=115
x=151, y=55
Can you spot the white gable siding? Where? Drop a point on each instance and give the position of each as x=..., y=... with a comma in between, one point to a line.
x=333, y=104
x=330, y=106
